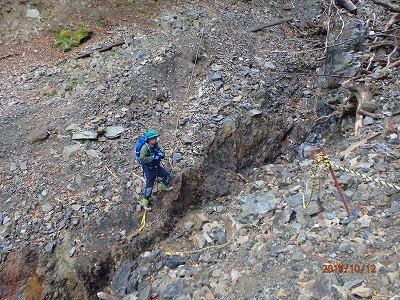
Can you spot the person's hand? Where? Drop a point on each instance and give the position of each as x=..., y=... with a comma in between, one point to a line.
x=160, y=153
x=156, y=157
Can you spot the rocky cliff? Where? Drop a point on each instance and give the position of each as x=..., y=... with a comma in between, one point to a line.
x=241, y=93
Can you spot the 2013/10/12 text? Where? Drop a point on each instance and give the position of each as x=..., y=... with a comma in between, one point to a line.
x=353, y=268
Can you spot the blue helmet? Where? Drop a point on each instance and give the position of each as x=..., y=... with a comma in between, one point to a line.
x=151, y=134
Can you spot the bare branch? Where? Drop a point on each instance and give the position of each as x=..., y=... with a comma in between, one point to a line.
x=387, y=5
x=101, y=50
x=270, y=24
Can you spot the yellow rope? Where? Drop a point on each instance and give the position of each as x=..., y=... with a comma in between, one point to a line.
x=169, y=253
x=143, y=222
x=328, y=163
x=377, y=180
x=314, y=178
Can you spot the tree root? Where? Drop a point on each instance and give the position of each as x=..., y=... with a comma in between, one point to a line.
x=362, y=93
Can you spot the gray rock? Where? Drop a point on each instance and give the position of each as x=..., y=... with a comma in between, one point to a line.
x=353, y=284
x=319, y=288
x=72, y=251
x=369, y=106
x=362, y=292
x=172, y=290
x=84, y=135
x=32, y=13
x=38, y=134
x=112, y=132
x=296, y=267
x=187, y=140
x=176, y=157
x=247, y=106
x=297, y=256
x=216, y=77
x=254, y=112
x=174, y=261
x=259, y=201
x=296, y=203
x=121, y=277
x=368, y=121
x=49, y=247
x=144, y=290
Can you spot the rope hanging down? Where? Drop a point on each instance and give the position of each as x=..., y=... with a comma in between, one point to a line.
x=185, y=97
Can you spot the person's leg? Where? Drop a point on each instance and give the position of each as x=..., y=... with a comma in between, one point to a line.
x=166, y=177
x=150, y=176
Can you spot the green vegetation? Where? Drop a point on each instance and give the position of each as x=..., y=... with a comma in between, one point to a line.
x=68, y=39
x=114, y=4
x=52, y=93
x=73, y=81
x=33, y=4
x=103, y=23
x=76, y=81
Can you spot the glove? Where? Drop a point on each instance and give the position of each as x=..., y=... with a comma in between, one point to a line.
x=160, y=153
x=156, y=158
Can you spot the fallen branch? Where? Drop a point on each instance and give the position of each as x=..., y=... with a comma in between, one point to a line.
x=9, y=55
x=369, y=114
x=356, y=145
x=101, y=50
x=383, y=44
x=139, y=176
x=111, y=172
x=390, y=55
x=270, y=24
x=382, y=73
x=347, y=4
x=387, y=5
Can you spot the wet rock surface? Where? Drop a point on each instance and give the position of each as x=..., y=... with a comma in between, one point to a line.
x=251, y=215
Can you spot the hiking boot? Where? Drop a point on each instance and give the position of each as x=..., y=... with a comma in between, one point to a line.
x=165, y=187
x=145, y=204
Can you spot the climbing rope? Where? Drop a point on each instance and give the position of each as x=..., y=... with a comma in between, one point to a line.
x=325, y=159
x=377, y=180
x=169, y=253
x=185, y=97
x=314, y=179
x=143, y=222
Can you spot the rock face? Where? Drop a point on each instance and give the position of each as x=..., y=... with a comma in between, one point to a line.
x=238, y=114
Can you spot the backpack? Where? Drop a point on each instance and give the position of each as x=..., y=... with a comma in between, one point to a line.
x=139, y=146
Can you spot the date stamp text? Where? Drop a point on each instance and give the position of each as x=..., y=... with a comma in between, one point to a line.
x=348, y=268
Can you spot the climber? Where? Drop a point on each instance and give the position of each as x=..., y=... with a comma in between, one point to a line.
x=149, y=155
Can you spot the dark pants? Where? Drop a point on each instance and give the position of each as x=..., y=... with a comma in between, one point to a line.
x=150, y=174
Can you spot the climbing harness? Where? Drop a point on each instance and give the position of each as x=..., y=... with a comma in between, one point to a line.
x=325, y=159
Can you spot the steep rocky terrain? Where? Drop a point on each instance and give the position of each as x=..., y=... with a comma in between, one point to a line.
x=239, y=110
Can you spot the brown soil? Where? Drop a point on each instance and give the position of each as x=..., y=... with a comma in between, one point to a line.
x=27, y=40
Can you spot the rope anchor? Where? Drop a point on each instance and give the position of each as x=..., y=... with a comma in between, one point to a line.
x=325, y=159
